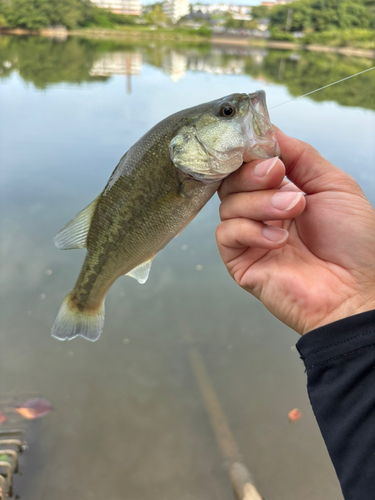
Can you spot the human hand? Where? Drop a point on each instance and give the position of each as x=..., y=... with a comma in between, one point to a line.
x=316, y=264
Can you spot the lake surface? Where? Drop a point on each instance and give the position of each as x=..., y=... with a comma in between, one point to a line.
x=129, y=421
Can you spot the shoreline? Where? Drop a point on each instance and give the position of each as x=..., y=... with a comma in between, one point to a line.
x=274, y=44
x=225, y=39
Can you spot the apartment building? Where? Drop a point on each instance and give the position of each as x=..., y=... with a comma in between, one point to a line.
x=175, y=9
x=126, y=7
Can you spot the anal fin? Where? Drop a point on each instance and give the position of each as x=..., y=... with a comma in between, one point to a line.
x=141, y=272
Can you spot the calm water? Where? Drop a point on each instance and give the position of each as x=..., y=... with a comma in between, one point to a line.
x=129, y=421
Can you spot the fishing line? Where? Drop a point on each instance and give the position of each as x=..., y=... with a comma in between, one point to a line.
x=321, y=88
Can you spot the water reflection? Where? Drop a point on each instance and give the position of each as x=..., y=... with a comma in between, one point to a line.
x=175, y=65
x=118, y=63
x=218, y=63
x=129, y=421
x=46, y=62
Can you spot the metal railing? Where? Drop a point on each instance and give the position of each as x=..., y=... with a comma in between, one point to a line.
x=12, y=442
x=10, y=447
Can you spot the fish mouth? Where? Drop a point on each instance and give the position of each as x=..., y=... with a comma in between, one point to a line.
x=261, y=142
x=259, y=104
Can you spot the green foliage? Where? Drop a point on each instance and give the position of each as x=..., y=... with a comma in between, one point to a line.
x=324, y=15
x=204, y=31
x=45, y=62
x=239, y=24
x=120, y=19
x=157, y=16
x=341, y=38
x=102, y=18
x=231, y=23
x=3, y=21
x=335, y=22
x=277, y=34
x=260, y=11
x=39, y=14
x=311, y=70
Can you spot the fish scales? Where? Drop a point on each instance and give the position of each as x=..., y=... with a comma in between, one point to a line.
x=157, y=188
x=137, y=230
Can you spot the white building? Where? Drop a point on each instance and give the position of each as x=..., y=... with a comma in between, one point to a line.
x=175, y=9
x=221, y=8
x=126, y=7
x=272, y=3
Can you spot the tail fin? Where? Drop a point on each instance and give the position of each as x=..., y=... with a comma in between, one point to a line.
x=70, y=322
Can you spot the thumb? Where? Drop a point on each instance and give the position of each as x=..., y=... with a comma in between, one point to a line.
x=309, y=171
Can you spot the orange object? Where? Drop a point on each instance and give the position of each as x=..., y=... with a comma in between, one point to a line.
x=34, y=408
x=294, y=415
x=2, y=417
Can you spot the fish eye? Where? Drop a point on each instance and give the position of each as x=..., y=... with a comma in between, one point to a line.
x=227, y=111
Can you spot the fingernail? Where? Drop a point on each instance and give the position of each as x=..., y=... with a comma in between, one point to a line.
x=285, y=200
x=275, y=234
x=264, y=167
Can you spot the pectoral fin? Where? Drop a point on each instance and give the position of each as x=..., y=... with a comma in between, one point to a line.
x=74, y=234
x=141, y=272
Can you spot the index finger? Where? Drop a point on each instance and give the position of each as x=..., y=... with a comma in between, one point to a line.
x=308, y=169
x=254, y=176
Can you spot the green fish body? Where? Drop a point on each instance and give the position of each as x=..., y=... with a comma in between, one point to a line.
x=157, y=188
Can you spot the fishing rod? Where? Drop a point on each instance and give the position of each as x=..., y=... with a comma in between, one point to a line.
x=321, y=88
x=241, y=479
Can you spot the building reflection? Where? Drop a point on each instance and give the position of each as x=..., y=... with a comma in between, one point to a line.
x=118, y=63
x=175, y=65
x=45, y=63
x=231, y=67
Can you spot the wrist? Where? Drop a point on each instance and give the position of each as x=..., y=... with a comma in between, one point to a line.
x=339, y=339
x=346, y=310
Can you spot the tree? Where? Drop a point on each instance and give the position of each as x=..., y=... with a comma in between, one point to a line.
x=323, y=15
x=38, y=14
x=231, y=23
x=157, y=16
x=260, y=11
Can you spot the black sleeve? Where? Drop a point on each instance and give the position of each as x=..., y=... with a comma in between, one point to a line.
x=340, y=366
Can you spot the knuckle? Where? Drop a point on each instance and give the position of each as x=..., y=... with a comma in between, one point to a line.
x=220, y=232
x=242, y=174
x=223, y=208
x=222, y=190
x=240, y=225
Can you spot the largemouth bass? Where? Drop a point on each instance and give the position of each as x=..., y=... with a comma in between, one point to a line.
x=157, y=188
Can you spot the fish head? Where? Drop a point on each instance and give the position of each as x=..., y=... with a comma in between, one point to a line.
x=223, y=134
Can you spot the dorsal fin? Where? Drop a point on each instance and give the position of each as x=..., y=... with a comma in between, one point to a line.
x=141, y=272
x=74, y=234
